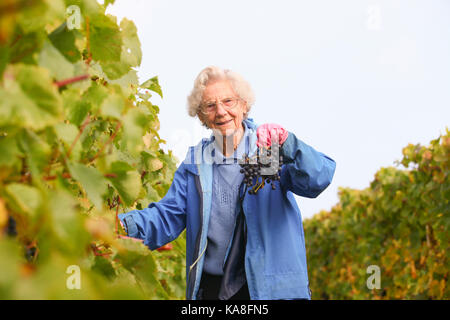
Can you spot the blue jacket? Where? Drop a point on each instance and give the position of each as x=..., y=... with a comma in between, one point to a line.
x=275, y=257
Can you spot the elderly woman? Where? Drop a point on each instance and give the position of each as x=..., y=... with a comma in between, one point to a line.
x=238, y=246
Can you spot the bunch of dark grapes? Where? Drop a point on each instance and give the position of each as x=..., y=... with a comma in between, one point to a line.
x=253, y=177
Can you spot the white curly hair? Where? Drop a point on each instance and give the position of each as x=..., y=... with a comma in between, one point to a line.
x=212, y=73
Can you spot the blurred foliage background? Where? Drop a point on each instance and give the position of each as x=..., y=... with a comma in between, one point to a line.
x=400, y=223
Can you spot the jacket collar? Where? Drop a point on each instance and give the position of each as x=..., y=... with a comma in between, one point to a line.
x=202, y=152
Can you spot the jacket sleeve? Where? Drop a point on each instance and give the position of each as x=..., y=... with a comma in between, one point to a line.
x=163, y=221
x=306, y=172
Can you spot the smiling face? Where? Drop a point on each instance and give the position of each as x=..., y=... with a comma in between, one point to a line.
x=227, y=121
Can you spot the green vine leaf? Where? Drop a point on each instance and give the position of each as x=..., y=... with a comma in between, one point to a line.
x=153, y=85
x=91, y=180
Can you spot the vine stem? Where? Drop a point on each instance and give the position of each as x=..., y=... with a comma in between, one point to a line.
x=111, y=139
x=13, y=43
x=66, y=82
x=83, y=126
x=67, y=175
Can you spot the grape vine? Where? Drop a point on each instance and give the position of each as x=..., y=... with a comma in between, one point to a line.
x=79, y=144
x=400, y=223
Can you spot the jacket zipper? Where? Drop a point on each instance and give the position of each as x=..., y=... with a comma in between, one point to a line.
x=197, y=245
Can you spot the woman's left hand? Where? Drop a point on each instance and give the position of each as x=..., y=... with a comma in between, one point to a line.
x=268, y=131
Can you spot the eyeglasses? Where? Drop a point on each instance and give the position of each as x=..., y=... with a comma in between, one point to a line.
x=211, y=106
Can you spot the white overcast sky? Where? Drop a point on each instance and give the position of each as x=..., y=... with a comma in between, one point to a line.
x=356, y=79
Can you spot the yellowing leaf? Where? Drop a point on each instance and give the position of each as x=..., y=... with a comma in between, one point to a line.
x=155, y=164
x=28, y=199
x=105, y=39
x=153, y=85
